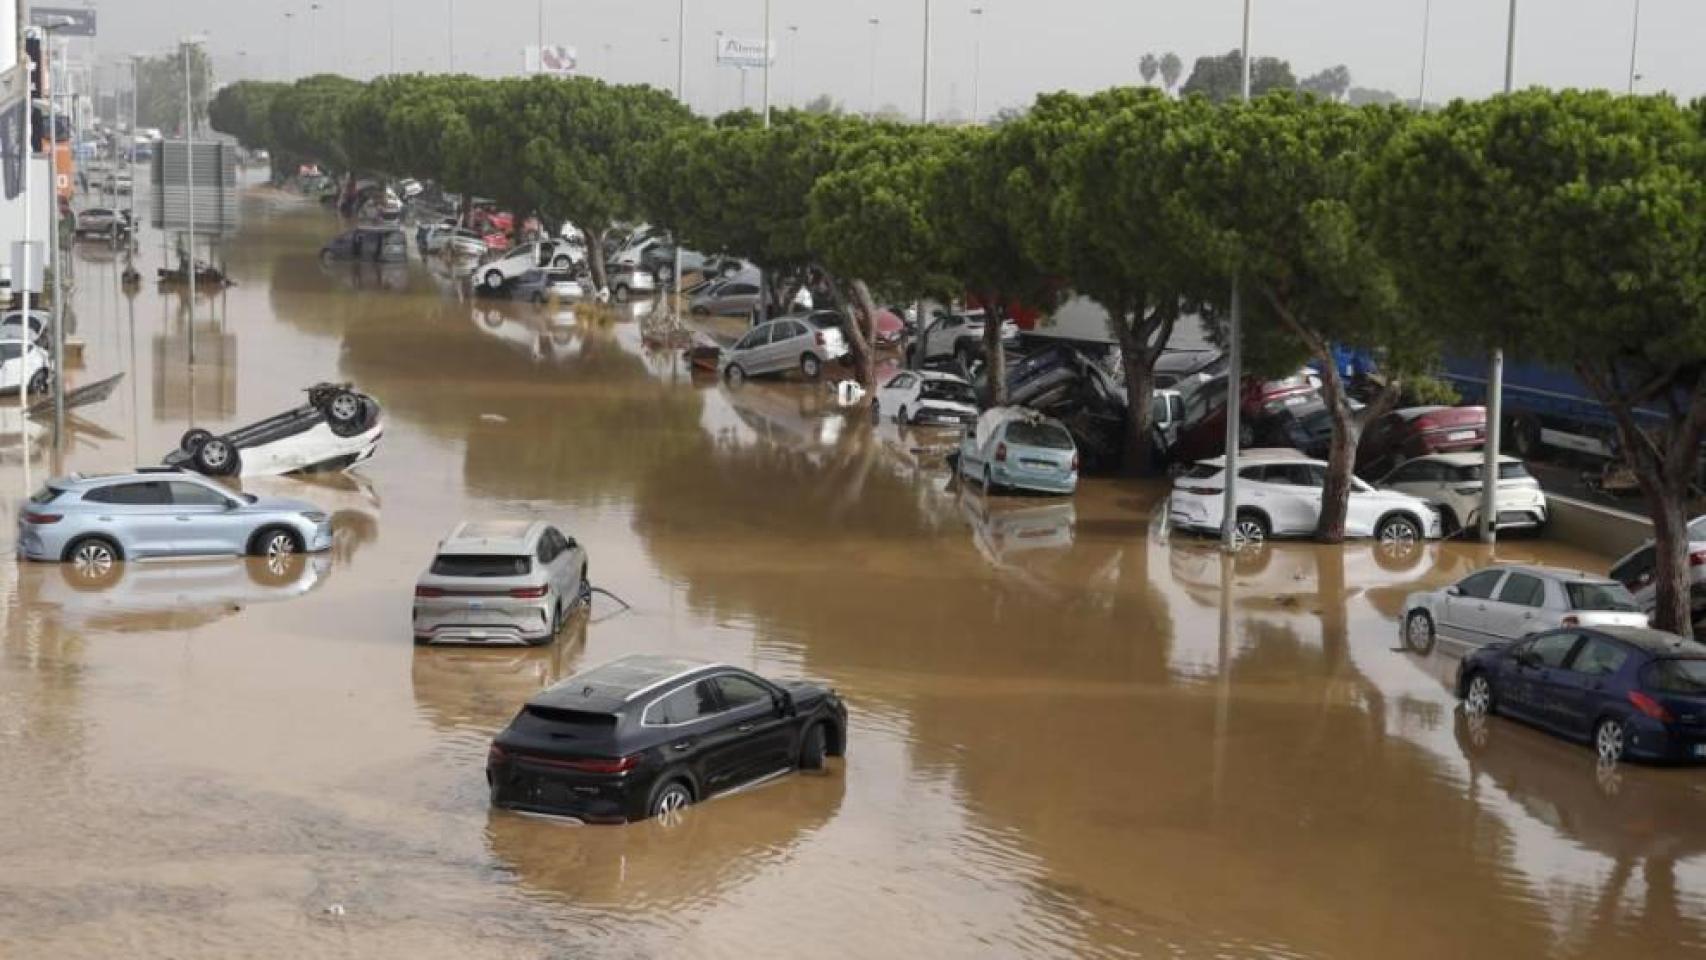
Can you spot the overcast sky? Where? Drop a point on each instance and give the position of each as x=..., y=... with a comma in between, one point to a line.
x=1027, y=45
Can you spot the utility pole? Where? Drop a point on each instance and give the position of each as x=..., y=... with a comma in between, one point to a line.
x=391, y=12
x=763, y=278
x=924, y=92
x=767, y=59
x=976, y=61
x=681, y=98
x=1496, y=368
x=1422, y=87
x=23, y=283
x=793, y=66
x=189, y=181
x=55, y=258
x=450, y=31
x=1235, y=364
x=1634, y=45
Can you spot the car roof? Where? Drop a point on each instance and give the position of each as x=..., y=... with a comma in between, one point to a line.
x=1550, y=573
x=497, y=536
x=1411, y=413
x=1468, y=458
x=73, y=481
x=940, y=376
x=1264, y=455
x=606, y=688
x=1651, y=640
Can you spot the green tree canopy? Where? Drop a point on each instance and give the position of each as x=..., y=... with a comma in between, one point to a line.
x=1221, y=78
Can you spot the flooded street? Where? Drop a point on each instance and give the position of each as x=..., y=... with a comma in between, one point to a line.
x=1067, y=740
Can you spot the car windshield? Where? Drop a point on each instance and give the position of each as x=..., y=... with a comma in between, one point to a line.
x=1203, y=471
x=1514, y=470
x=1600, y=596
x=480, y=565
x=951, y=391
x=1677, y=676
x=9, y=349
x=1039, y=435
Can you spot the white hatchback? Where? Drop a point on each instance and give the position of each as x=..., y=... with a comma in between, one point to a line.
x=1504, y=603
x=1452, y=481
x=926, y=397
x=1279, y=495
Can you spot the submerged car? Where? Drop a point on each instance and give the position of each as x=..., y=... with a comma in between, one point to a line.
x=926, y=397
x=500, y=582
x=97, y=521
x=1016, y=448
x=1511, y=602
x=791, y=343
x=646, y=736
x=1638, y=570
x=1632, y=692
x=382, y=244
x=538, y=286
x=1279, y=495
x=104, y=222
x=335, y=430
x=1452, y=481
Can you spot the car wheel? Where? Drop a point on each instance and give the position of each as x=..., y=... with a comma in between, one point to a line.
x=216, y=457
x=811, y=367
x=902, y=417
x=1398, y=531
x=93, y=561
x=326, y=256
x=814, y=746
x=494, y=280
x=1448, y=525
x=192, y=440
x=1246, y=436
x=734, y=375
x=670, y=801
x=1610, y=739
x=1419, y=631
x=1249, y=529
x=344, y=408
x=1478, y=699
x=40, y=381
x=561, y=263
x=275, y=542
x=619, y=293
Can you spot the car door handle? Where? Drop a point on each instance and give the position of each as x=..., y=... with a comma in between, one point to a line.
x=184, y=518
x=681, y=745
x=746, y=727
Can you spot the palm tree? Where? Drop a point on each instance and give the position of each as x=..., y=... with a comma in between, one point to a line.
x=1149, y=67
x=1171, y=69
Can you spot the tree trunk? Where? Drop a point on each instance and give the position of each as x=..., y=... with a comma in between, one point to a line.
x=1141, y=339
x=859, y=316
x=1673, y=607
x=994, y=351
x=1341, y=455
x=595, y=259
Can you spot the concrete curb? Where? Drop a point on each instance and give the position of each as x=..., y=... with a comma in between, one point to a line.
x=1590, y=526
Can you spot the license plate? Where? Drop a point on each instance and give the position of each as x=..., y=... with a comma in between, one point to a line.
x=1460, y=435
x=475, y=605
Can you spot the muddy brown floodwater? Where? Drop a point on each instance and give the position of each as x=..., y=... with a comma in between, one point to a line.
x=1064, y=743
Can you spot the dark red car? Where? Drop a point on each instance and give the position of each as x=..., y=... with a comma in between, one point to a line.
x=1417, y=431
x=1204, y=433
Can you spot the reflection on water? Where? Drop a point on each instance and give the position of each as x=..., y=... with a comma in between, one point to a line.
x=1072, y=735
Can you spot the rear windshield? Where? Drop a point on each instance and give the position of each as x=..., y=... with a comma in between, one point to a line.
x=573, y=718
x=46, y=495
x=1202, y=471
x=480, y=565
x=1507, y=471
x=1676, y=676
x=1039, y=435
x=948, y=390
x=1601, y=596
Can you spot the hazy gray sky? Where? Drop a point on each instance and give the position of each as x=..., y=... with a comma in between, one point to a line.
x=1027, y=46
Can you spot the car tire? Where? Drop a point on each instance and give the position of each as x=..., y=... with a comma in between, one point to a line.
x=40, y=381
x=1250, y=528
x=192, y=440
x=275, y=541
x=216, y=457
x=1610, y=739
x=1479, y=697
x=1398, y=530
x=93, y=562
x=619, y=293
x=1525, y=437
x=814, y=747
x=344, y=408
x=326, y=257
x=561, y=263
x=668, y=800
x=734, y=375
x=811, y=367
x=494, y=280
x=1419, y=631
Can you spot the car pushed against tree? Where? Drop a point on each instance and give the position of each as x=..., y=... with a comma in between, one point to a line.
x=646, y=736
x=1016, y=448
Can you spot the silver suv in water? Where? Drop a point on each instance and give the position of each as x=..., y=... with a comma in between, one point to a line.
x=500, y=582
x=97, y=521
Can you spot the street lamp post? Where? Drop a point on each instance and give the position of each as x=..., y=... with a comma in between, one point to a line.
x=976, y=61
x=871, y=99
x=793, y=67
x=1422, y=86
x=681, y=97
x=1235, y=361
x=54, y=259
x=1496, y=368
x=391, y=40
x=1634, y=46
x=924, y=90
x=189, y=183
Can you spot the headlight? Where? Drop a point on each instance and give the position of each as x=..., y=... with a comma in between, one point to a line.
x=314, y=516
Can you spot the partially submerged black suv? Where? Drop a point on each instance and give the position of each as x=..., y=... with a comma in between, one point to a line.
x=645, y=736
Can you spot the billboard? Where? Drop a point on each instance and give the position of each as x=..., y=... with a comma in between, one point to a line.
x=65, y=21
x=735, y=52
x=555, y=61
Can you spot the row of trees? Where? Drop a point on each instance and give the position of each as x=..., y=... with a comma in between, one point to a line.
x=1566, y=227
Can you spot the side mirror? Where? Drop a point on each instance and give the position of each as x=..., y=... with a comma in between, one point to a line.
x=232, y=505
x=784, y=702
x=1454, y=591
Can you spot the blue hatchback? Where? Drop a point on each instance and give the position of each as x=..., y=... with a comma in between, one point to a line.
x=1630, y=691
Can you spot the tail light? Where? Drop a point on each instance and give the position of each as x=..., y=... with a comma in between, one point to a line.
x=495, y=754
x=1001, y=453
x=1075, y=462
x=31, y=516
x=428, y=592
x=819, y=338
x=601, y=765
x=1570, y=621
x=527, y=593
x=1695, y=559
x=1650, y=707
x=1202, y=491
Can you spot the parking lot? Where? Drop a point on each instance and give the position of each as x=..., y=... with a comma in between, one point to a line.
x=1066, y=738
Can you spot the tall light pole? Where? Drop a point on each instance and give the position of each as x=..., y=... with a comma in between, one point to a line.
x=976, y=60
x=1634, y=46
x=1496, y=367
x=1235, y=361
x=450, y=31
x=681, y=98
x=55, y=259
x=793, y=67
x=767, y=59
x=541, y=36
x=924, y=91
x=1422, y=86
x=871, y=98
x=189, y=181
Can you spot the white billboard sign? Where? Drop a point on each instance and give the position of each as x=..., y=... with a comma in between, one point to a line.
x=556, y=61
x=736, y=52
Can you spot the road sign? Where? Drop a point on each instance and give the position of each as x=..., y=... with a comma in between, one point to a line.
x=66, y=21
x=736, y=52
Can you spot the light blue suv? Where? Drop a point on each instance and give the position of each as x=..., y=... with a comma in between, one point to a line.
x=97, y=521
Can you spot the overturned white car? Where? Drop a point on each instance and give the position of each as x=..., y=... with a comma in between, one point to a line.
x=335, y=430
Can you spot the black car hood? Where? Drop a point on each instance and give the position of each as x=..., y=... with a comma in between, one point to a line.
x=804, y=692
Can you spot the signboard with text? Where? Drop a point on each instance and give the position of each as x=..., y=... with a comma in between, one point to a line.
x=736, y=52
x=65, y=21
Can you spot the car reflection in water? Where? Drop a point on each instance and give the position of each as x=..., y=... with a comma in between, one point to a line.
x=1008, y=533
x=1638, y=818
x=367, y=275
x=542, y=335
x=661, y=867
x=149, y=595
x=479, y=689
